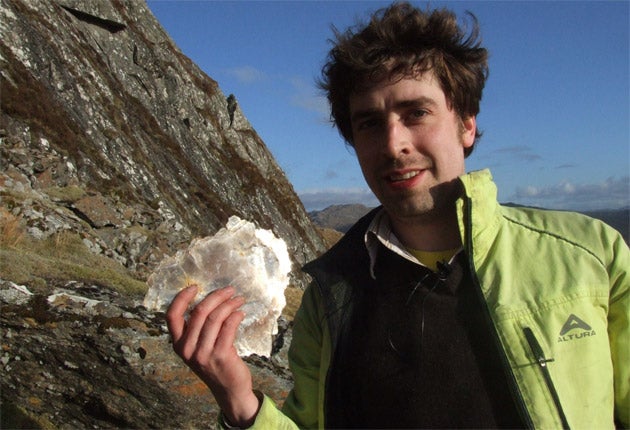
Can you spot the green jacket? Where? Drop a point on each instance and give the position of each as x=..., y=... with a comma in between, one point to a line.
x=556, y=287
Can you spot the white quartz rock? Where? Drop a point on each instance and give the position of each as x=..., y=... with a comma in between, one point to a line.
x=252, y=260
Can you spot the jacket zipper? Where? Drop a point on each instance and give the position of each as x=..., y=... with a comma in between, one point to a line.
x=512, y=384
x=542, y=361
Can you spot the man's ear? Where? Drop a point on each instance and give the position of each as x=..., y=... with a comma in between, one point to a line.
x=469, y=131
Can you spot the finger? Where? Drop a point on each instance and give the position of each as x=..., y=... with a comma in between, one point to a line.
x=177, y=309
x=227, y=336
x=213, y=300
x=213, y=327
x=212, y=307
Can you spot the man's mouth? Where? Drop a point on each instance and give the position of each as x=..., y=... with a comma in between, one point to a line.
x=397, y=177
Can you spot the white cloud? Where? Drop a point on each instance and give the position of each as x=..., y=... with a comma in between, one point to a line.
x=247, y=74
x=306, y=97
x=312, y=103
x=322, y=198
x=613, y=193
x=518, y=152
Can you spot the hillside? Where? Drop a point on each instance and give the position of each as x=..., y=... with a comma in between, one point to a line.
x=115, y=129
x=115, y=151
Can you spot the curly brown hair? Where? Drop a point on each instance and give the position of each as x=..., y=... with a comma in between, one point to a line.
x=401, y=41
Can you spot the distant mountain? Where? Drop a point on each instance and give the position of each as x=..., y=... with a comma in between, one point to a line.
x=619, y=219
x=341, y=217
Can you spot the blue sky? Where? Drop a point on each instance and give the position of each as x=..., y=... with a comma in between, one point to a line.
x=555, y=112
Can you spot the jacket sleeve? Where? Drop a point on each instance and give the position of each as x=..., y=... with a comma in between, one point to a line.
x=268, y=417
x=619, y=328
x=303, y=403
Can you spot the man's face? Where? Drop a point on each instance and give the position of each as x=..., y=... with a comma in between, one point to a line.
x=410, y=145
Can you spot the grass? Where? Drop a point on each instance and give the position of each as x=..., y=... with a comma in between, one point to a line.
x=62, y=256
x=329, y=236
x=11, y=229
x=293, y=295
x=68, y=194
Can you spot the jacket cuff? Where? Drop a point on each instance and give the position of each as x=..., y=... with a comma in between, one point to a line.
x=266, y=409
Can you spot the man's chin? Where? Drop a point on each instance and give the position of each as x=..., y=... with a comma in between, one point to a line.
x=409, y=209
x=419, y=210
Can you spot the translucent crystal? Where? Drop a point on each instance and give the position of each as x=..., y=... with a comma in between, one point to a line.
x=253, y=261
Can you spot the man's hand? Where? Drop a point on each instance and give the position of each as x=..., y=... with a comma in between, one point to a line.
x=206, y=344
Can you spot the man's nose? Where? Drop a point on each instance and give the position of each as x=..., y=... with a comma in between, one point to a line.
x=397, y=140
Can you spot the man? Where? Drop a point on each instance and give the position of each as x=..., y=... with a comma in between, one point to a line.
x=441, y=308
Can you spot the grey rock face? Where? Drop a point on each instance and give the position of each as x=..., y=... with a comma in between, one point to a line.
x=95, y=94
x=83, y=356
x=114, y=144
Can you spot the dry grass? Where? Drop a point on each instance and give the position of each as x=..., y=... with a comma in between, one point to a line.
x=329, y=235
x=11, y=229
x=293, y=295
x=67, y=194
x=63, y=257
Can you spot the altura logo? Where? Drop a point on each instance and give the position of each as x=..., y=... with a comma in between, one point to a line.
x=575, y=328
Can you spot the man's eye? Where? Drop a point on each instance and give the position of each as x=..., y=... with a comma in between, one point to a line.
x=418, y=113
x=366, y=123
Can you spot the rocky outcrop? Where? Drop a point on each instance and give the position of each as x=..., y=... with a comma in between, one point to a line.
x=75, y=355
x=103, y=115
x=115, y=151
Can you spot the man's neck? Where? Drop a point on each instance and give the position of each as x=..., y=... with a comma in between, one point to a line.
x=434, y=233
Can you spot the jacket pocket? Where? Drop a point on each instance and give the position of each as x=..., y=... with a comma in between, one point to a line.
x=542, y=360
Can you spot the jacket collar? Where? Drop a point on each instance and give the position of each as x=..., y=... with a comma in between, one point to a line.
x=478, y=212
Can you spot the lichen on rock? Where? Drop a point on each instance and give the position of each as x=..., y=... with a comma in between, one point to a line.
x=253, y=261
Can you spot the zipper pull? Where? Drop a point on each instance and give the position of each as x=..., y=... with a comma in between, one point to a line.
x=543, y=361
x=539, y=355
